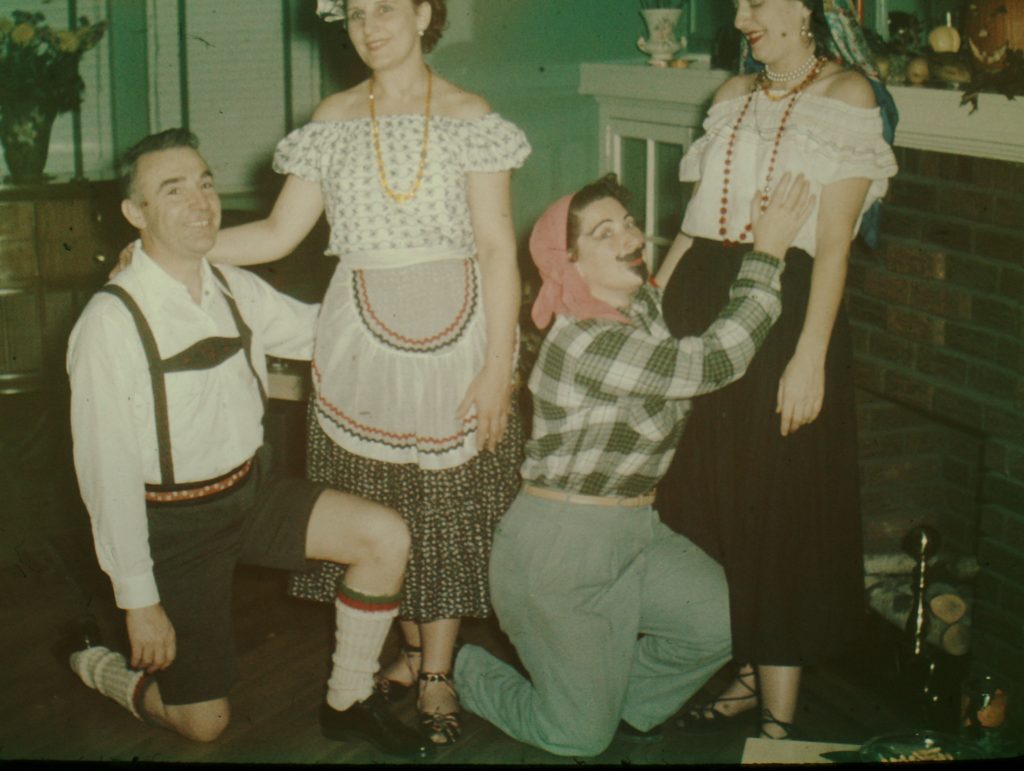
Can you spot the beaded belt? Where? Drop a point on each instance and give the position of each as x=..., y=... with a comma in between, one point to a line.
x=637, y=501
x=191, y=491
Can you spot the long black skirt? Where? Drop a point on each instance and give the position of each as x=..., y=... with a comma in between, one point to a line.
x=782, y=514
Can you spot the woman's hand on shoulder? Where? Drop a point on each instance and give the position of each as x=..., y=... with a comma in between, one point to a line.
x=124, y=259
x=851, y=87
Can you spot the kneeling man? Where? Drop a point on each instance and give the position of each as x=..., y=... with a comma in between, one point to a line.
x=581, y=564
x=168, y=390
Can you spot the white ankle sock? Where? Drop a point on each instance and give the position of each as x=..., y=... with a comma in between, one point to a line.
x=107, y=671
x=359, y=638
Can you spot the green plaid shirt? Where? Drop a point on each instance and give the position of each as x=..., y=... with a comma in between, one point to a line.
x=611, y=399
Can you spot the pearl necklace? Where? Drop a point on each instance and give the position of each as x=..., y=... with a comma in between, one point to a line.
x=799, y=72
x=763, y=78
x=396, y=196
x=760, y=83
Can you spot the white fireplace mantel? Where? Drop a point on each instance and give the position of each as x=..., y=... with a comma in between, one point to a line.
x=669, y=104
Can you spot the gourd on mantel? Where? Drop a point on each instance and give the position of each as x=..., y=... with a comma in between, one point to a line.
x=945, y=39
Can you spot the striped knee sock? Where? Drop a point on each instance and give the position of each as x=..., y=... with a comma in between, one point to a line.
x=108, y=672
x=363, y=623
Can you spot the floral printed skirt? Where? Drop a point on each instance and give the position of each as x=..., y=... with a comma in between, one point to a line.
x=451, y=514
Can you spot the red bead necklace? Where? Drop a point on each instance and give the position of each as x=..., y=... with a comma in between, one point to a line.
x=760, y=83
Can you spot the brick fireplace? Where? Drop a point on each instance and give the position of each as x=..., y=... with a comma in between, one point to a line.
x=938, y=319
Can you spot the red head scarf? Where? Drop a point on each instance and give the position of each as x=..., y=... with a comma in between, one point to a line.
x=563, y=289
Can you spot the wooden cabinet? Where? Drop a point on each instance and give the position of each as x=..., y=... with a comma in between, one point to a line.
x=57, y=243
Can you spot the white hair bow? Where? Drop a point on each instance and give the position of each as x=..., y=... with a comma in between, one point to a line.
x=331, y=10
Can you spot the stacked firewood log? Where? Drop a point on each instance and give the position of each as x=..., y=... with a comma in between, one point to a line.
x=890, y=593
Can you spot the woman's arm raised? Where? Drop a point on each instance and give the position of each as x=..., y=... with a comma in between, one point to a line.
x=296, y=210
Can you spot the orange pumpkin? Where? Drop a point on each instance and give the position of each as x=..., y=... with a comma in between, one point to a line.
x=992, y=28
x=993, y=714
x=944, y=39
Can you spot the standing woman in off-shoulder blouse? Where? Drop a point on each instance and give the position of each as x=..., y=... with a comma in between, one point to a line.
x=417, y=337
x=765, y=478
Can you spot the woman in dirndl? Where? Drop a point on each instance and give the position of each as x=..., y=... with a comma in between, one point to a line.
x=417, y=338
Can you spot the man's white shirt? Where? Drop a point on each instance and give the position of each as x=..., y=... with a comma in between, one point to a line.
x=214, y=414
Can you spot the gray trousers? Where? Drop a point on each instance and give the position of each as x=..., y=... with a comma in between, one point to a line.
x=573, y=587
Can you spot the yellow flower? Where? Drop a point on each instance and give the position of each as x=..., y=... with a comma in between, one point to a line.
x=68, y=42
x=23, y=34
x=6, y=25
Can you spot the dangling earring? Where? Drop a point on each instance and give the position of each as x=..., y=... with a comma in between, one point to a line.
x=421, y=32
x=805, y=31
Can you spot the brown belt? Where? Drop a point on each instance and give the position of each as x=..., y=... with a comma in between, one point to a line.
x=197, y=490
x=636, y=501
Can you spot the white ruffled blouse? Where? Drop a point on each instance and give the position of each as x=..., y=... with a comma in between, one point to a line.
x=401, y=332
x=825, y=139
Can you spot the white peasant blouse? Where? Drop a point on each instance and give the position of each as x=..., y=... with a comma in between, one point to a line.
x=825, y=139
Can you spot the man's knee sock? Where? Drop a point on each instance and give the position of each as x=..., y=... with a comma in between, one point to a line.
x=108, y=672
x=363, y=623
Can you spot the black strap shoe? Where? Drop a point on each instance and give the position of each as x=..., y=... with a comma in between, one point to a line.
x=370, y=720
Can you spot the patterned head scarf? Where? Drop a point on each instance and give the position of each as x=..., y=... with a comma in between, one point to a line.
x=331, y=10
x=563, y=289
x=846, y=40
x=847, y=44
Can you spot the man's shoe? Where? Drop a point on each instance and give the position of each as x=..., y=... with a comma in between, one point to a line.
x=372, y=721
x=631, y=734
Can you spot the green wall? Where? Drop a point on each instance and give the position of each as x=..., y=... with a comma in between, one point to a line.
x=523, y=56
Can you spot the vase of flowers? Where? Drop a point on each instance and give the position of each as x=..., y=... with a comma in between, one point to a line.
x=38, y=80
x=661, y=18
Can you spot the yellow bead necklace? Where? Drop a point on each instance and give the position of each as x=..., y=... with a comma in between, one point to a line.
x=396, y=196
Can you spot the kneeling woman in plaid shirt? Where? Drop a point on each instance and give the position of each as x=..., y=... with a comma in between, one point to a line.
x=581, y=564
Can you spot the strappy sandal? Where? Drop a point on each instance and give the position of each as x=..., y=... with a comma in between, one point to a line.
x=394, y=690
x=439, y=727
x=705, y=718
x=767, y=718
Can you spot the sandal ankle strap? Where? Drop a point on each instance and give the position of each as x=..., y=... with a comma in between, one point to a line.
x=723, y=699
x=742, y=677
x=767, y=718
x=436, y=677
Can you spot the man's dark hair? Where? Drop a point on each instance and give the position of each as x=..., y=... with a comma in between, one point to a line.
x=606, y=187
x=128, y=165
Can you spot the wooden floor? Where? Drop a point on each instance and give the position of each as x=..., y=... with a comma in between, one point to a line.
x=48, y=575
